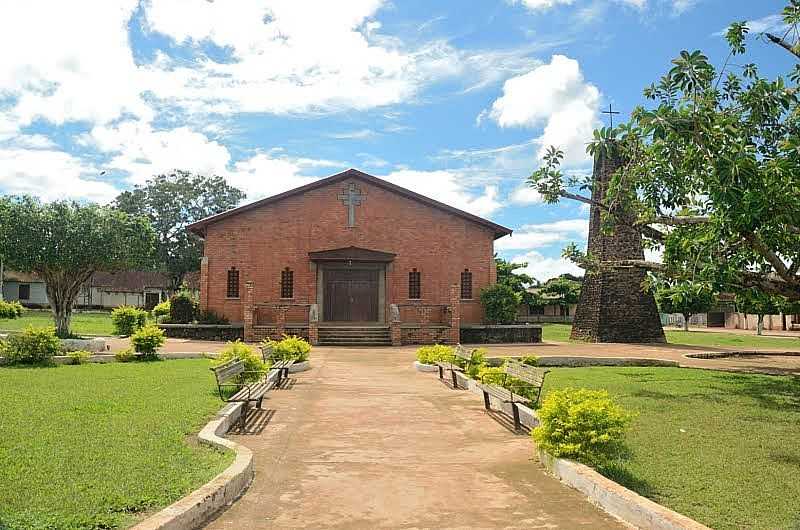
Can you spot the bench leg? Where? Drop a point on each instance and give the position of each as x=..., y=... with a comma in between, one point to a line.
x=259, y=401
x=243, y=418
x=441, y=373
x=486, y=402
x=286, y=373
x=455, y=379
x=515, y=410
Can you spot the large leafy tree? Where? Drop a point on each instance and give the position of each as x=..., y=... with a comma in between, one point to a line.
x=563, y=290
x=66, y=242
x=171, y=202
x=508, y=274
x=759, y=303
x=711, y=171
x=687, y=298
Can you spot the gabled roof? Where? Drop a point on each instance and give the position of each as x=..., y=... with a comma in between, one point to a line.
x=360, y=255
x=199, y=227
x=21, y=277
x=129, y=281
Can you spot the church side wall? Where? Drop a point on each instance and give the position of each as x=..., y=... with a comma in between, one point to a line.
x=261, y=242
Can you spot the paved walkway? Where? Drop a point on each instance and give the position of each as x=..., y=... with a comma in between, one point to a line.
x=364, y=441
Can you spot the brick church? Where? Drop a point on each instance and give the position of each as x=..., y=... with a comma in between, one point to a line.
x=347, y=259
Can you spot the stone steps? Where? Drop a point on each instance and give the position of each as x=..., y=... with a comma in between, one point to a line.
x=355, y=336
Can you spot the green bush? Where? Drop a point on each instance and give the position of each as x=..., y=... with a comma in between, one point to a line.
x=530, y=360
x=253, y=362
x=585, y=425
x=79, y=356
x=182, y=308
x=34, y=345
x=125, y=356
x=10, y=310
x=290, y=348
x=435, y=353
x=210, y=317
x=161, y=310
x=127, y=319
x=148, y=340
x=478, y=362
x=491, y=375
x=500, y=302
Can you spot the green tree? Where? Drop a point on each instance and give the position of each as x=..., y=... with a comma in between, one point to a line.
x=500, y=302
x=711, y=172
x=66, y=242
x=759, y=303
x=518, y=281
x=171, y=202
x=562, y=290
x=686, y=298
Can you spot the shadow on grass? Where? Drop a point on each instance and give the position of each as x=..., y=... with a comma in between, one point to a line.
x=780, y=393
x=620, y=474
x=786, y=458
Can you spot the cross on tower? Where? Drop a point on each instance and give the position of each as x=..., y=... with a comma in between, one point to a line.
x=610, y=115
x=351, y=196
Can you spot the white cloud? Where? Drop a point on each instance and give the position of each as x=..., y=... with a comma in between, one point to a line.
x=534, y=236
x=448, y=187
x=540, y=5
x=264, y=175
x=554, y=96
x=543, y=268
x=360, y=134
x=525, y=195
x=51, y=175
x=773, y=23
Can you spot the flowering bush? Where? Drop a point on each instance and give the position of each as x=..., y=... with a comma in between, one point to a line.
x=241, y=351
x=148, y=340
x=125, y=356
x=79, y=356
x=585, y=425
x=491, y=375
x=161, y=310
x=34, y=345
x=127, y=319
x=290, y=348
x=11, y=309
x=434, y=354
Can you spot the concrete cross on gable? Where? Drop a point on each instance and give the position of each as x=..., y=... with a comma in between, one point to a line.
x=351, y=196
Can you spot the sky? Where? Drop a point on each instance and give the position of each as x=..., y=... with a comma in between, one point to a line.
x=455, y=99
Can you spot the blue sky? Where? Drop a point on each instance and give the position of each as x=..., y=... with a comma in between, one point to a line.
x=452, y=99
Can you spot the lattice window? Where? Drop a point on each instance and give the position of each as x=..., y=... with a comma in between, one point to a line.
x=414, y=285
x=466, y=285
x=233, y=283
x=287, y=283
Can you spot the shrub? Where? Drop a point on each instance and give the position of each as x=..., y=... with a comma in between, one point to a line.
x=434, y=354
x=148, y=340
x=182, y=308
x=253, y=362
x=34, y=345
x=210, y=317
x=79, y=356
x=530, y=360
x=478, y=362
x=161, y=310
x=500, y=302
x=127, y=319
x=491, y=375
x=125, y=356
x=10, y=309
x=290, y=348
x=586, y=425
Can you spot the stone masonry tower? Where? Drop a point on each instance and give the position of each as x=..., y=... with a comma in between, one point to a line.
x=613, y=307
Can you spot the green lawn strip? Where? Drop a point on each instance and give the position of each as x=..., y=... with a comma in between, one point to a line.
x=95, y=446
x=83, y=323
x=560, y=333
x=722, y=448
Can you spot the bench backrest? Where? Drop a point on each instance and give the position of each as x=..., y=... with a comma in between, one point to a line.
x=526, y=374
x=228, y=371
x=463, y=353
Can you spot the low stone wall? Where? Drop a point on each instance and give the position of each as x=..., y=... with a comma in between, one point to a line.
x=423, y=334
x=216, y=332
x=574, y=362
x=496, y=334
x=95, y=345
x=261, y=333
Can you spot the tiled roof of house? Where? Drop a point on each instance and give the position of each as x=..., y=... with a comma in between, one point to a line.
x=21, y=277
x=129, y=281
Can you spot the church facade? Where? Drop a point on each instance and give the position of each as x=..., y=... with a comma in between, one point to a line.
x=348, y=251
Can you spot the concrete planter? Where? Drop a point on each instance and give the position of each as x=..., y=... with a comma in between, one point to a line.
x=422, y=367
x=96, y=345
x=300, y=367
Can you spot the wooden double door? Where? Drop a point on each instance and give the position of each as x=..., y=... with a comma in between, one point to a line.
x=351, y=295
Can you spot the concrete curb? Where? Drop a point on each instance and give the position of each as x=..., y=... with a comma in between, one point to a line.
x=615, y=499
x=725, y=354
x=197, y=508
x=577, y=361
x=300, y=367
x=422, y=367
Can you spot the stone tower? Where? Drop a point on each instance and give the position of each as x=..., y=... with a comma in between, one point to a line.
x=613, y=307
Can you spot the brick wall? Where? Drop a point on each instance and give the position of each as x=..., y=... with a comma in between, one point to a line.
x=261, y=242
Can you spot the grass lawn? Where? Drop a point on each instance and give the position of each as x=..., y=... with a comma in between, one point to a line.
x=95, y=446
x=88, y=323
x=560, y=333
x=722, y=448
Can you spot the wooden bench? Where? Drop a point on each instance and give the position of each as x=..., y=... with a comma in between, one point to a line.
x=527, y=377
x=282, y=367
x=230, y=376
x=459, y=353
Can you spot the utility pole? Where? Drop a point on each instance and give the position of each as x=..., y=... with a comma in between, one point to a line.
x=2, y=274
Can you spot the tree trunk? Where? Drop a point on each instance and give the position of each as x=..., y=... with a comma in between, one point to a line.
x=760, y=325
x=62, y=290
x=686, y=317
x=783, y=321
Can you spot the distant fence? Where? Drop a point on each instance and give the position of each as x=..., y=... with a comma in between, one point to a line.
x=539, y=319
x=676, y=319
